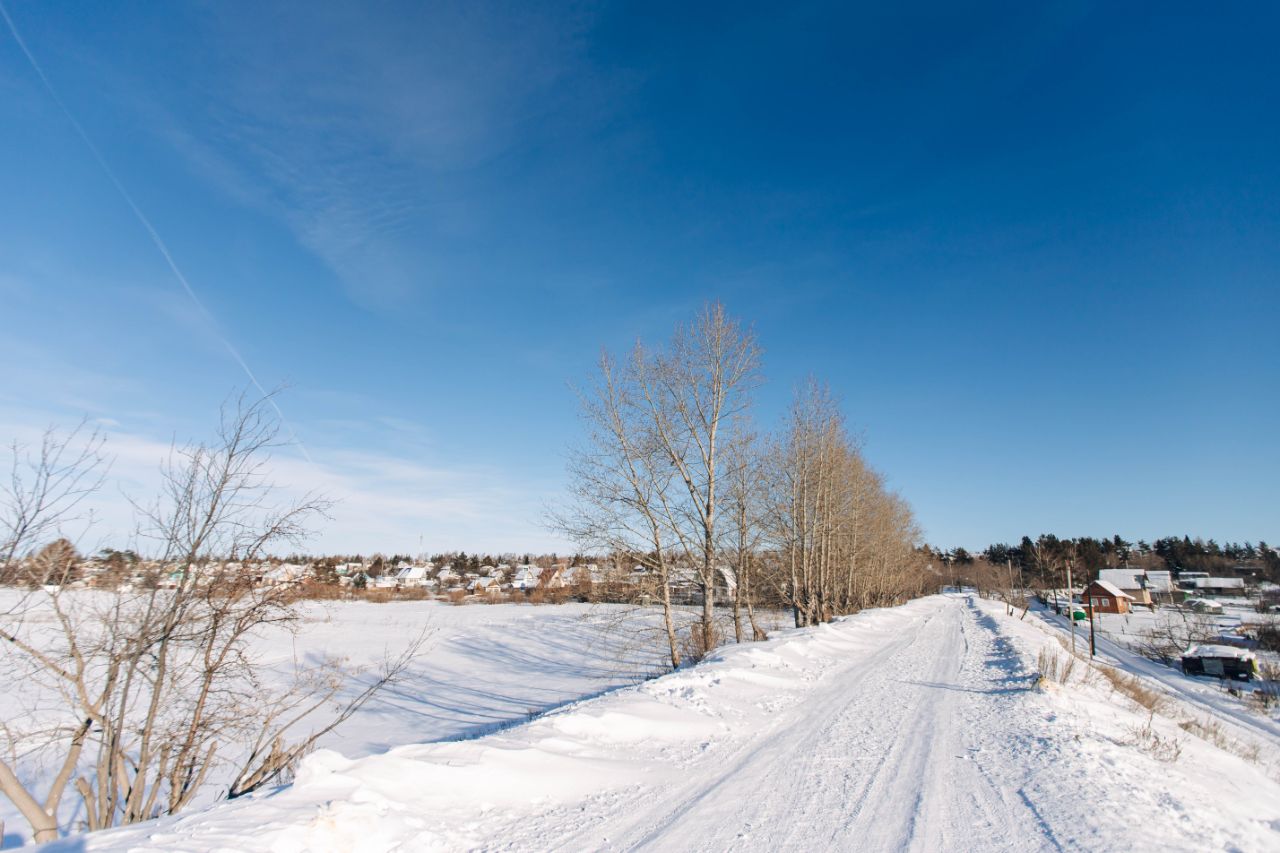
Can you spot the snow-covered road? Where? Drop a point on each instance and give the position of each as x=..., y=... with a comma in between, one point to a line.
x=919, y=727
x=880, y=757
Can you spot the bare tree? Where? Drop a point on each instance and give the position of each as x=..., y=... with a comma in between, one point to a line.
x=673, y=475
x=744, y=508
x=649, y=481
x=46, y=490
x=157, y=686
x=844, y=542
x=618, y=481
x=696, y=393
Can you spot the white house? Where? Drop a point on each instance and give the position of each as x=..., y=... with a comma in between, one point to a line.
x=413, y=576
x=484, y=586
x=526, y=577
x=285, y=573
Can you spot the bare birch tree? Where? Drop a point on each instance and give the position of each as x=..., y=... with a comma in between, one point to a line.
x=649, y=482
x=696, y=393
x=843, y=542
x=617, y=481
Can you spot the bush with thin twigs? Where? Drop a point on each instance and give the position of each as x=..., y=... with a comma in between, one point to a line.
x=549, y=595
x=1165, y=642
x=1161, y=748
x=1268, y=636
x=1267, y=694
x=693, y=647
x=321, y=592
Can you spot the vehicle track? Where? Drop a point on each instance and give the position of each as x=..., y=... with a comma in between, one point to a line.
x=884, y=756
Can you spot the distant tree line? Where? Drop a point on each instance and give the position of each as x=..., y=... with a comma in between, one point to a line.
x=1042, y=559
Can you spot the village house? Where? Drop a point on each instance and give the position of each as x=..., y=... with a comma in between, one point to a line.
x=1131, y=583
x=485, y=586
x=552, y=578
x=1106, y=597
x=285, y=574
x=588, y=575
x=1220, y=662
x=526, y=577
x=414, y=577
x=358, y=578
x=1217, y=586
x=1160, y=584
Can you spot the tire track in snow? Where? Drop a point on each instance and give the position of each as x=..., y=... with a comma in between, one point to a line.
x=875, y=759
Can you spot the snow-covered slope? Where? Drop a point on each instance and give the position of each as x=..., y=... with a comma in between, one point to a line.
x=484, y=668
x=915, y=728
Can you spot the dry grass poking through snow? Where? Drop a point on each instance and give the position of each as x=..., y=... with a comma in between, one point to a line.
x=1211, y=731
x=1132, y=688
x=1057, y=664
x=1054, y=666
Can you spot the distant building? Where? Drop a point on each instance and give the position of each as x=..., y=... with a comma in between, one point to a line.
x=1131, y=583
x=1220, y=662
x=1106, y=597
x=1203, y=586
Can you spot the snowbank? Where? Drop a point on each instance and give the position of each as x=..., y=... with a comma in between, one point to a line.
x=917, y=727
x=456, y=795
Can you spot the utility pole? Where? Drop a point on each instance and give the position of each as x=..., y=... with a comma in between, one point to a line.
x=1093, y=648
x=1008, y=561
x=1071, y=607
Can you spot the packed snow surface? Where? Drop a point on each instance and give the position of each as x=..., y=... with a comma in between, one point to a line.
x=921, y=727
x=483, y=668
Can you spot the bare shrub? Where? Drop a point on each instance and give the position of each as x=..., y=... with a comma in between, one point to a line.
x=320, y=592
x=1267, y=694
x=693, y=646
x=157, y=686
x=1166, y=641
x=1146, y=738
x=1268, y=636
x=549, y=595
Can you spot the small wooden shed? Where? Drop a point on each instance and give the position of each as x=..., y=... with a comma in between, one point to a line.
x=1220, y=662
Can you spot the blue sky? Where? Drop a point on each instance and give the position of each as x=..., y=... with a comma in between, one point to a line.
x=1034, y=248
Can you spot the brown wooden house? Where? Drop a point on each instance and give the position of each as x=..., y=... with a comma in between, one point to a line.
x=1106, y=597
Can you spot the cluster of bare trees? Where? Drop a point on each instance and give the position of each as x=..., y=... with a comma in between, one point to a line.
x=137, y=695
x=844, y=542
x=673, y=477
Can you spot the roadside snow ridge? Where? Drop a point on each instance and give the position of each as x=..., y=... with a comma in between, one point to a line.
x=912, y=728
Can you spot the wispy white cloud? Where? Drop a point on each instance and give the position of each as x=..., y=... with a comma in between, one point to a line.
x=383, y=501
x=359, y=134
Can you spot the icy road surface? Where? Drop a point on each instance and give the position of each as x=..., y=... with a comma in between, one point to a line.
x=913, y=728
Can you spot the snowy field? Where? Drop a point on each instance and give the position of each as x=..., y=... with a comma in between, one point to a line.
x=484, y=667
x=923, y=727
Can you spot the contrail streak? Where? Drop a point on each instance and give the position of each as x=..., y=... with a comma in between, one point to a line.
x=151, y=231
